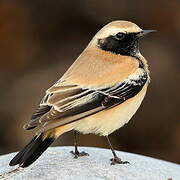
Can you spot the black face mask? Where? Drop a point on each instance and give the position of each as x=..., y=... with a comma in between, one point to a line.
x=121, y=43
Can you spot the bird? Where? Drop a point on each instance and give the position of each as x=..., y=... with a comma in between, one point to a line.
x=98, y=94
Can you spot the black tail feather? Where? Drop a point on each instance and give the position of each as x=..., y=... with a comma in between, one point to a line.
x=18, y=157
x=32, y=151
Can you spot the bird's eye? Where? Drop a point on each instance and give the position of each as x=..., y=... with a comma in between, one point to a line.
x=120, y=36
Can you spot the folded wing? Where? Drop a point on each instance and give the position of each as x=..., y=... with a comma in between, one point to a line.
x=68, y=103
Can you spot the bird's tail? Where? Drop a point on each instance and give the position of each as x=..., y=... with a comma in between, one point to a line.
x=32, y=151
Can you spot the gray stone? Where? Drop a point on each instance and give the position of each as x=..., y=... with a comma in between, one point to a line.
x=58, y=164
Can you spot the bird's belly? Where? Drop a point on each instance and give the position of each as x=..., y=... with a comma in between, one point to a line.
x=107, y=121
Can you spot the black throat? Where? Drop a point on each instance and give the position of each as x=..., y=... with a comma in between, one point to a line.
x=128, y=46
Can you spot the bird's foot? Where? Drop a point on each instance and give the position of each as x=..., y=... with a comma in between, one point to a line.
x=79, y=154
x=117, y=160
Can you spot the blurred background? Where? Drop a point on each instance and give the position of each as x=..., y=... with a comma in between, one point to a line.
x=40, y=39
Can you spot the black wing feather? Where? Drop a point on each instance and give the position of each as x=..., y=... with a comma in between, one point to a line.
x=41, y=110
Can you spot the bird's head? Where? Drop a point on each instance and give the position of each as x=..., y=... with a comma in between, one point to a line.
x=120, y=37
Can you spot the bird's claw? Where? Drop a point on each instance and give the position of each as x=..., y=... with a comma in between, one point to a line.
x=79, y=154
x=117, y=160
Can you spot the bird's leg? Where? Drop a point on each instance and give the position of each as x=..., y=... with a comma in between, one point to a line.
x=116, y=159
x=76, y=153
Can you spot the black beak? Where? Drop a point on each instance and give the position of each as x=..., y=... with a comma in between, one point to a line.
x=144, y=32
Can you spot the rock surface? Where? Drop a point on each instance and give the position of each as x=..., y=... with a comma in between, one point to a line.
x=58, y=164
